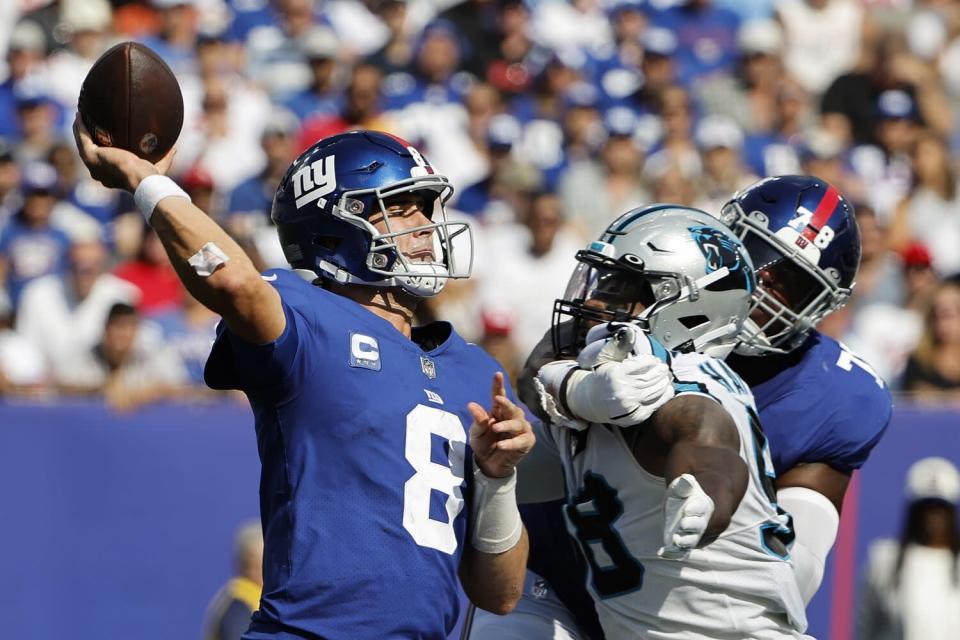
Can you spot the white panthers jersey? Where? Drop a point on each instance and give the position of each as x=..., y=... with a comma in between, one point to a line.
x=740, y=586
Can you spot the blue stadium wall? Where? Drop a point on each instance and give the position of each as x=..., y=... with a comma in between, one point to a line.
x=120, y=526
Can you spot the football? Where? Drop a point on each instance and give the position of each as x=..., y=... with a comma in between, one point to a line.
x=130, y=99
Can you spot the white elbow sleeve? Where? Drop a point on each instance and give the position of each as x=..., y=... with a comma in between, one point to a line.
x=815, y=522
x=496, y=520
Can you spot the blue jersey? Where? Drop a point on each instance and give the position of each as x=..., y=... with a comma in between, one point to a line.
x=363, y=442
x=822, y=404
x=819, y=403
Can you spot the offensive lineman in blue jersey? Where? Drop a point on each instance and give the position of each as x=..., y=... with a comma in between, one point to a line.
x=822, y=408
x=373, y=494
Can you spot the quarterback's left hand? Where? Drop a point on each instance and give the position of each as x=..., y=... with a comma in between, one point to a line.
x=502, y=437
x=687, y=510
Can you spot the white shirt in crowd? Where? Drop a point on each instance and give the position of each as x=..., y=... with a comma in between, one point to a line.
x=925, y=605
x=59, y=324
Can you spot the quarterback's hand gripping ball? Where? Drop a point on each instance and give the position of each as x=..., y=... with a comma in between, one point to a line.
x=687, y=510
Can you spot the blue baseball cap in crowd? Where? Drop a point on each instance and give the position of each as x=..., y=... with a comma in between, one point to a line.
x=30, y=92
x=620, y=122
x=622, y=6
x=582, y=95
x=38, y=177
x=658, y=42
x=503, y=132
x=719, y=132
x=896, y=104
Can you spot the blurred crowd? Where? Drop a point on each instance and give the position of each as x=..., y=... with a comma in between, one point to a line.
x=550, y=117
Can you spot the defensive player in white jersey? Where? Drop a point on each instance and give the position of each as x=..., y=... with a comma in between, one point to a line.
x=675, y=516
x=823, y=409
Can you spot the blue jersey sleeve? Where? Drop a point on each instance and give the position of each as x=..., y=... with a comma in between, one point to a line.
x=835, y=415
x=235, y=363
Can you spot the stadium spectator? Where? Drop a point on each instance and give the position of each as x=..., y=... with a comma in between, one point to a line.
x=397, y=53
x=822, y=39
x=720, y=140
x=498, y=341
x=594, y=190
x=10, y=196
x=849, y=105
x=65, y=314
x=177, y=40
x=776, y=151
x=822, y=154
x=126, y=365
x=887, y=167
x=151, y=272
x=618, y=65
x=188, y=331
x=706, y=37
x=38, y=115
x=228, y=614
x=30, y=246
x=198, y=183
x=275, y=59
x=658, y=69
x=22, y=367
x=85, y=24
x=930, y=214
x=933, y=370
x=869, y=333
x=361, y=109
x=322, y=96
x=26, y=53
x=536, y=260
x=580, y=25
x=677, y=148
x=426, y=105
x=514, y=57
x=911, y=588
x=498, y=188
x=749, y=94
x=254, y=195
x=583, y=132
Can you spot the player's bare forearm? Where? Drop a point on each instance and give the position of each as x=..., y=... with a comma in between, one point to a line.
x=494, y=582
x=235, y=290
x=539, y=356
x=721, y=474
x=702, y=440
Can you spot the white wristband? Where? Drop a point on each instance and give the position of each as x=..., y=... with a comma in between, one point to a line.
x=152, y=190
x=496, y=520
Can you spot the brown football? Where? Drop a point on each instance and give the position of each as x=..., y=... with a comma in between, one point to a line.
x=131, y=99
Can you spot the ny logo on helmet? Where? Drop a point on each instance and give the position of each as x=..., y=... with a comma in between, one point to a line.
x=315, y=181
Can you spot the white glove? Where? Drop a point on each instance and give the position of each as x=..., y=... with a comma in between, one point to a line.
x=687, y=510
x=630, y=341
x=624, y=393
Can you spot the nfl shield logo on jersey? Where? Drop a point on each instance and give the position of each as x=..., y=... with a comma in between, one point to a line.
x=429, y=369
x=364, y=352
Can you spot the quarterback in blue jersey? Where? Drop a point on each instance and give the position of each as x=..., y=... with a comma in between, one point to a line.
x=823, y=409
x=383, y=481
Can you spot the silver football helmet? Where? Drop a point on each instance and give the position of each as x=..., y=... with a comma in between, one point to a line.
x=677, y=272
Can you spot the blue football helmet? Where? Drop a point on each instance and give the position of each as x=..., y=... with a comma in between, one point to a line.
x=325, y=202
x=804, y=242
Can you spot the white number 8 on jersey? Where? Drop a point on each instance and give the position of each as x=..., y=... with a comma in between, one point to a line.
x=423, y=422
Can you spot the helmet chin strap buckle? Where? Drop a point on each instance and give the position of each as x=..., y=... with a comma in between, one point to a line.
x=338, y=274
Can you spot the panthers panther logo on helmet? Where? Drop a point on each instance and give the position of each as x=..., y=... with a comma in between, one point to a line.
x=721, y=250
